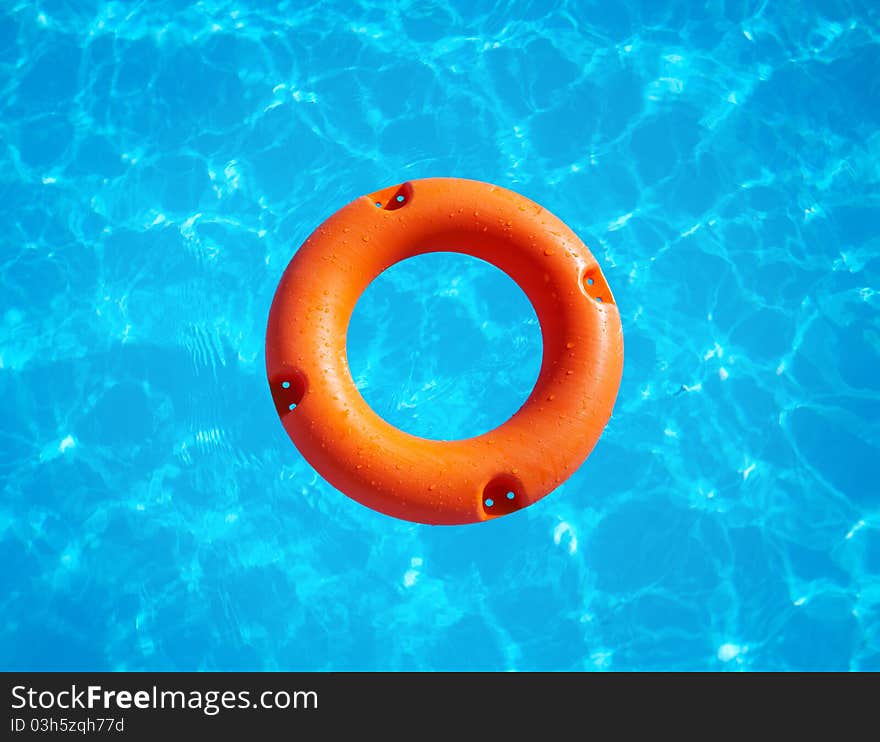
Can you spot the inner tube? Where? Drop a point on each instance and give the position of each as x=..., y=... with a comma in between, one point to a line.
x=413, y=478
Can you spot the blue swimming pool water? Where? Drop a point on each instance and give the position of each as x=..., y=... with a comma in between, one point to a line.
x=159, y=165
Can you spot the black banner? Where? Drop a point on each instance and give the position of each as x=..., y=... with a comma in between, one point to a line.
x=271, y=705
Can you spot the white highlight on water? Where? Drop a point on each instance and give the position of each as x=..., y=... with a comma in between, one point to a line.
x=412, y=574
x=561, y=530
x=729, y=651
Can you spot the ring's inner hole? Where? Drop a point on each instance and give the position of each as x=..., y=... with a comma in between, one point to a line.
x=444, y=346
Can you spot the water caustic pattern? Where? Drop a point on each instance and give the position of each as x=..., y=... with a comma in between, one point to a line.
x=160, y=163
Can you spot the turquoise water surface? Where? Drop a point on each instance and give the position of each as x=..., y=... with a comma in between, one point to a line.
x=161, y=162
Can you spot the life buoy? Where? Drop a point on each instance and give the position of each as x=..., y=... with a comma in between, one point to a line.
x=431, y=481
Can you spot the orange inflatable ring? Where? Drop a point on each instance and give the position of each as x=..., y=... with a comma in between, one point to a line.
x=431, y=481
